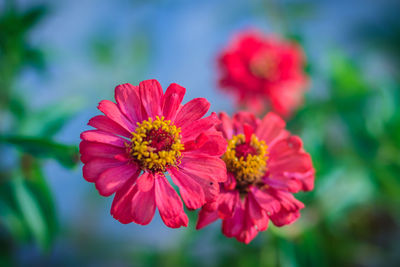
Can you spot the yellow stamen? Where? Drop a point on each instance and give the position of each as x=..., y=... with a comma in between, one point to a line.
x=251, y=168
x=146, y=136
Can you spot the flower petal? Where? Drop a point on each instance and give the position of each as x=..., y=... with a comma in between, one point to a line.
x=227, y=203
x=121, y=208
x=111, y=110
x=210, y=168
x=171, y=101
x=145, y=182
x=191, y=192
x=205, y=218
x=192, y=130
x=169, y=204
x=90, y=150
x=226, y=126
x=105, y=124
x=192, y=111
x=113, y=179
x=150, y=94
x=93, y=168
x=257, y=215
x=128, y=100
x=232, y=227
x=144, y=205
x=103, y=137
x=215, y=145
x=270, y=128
x=266, y=201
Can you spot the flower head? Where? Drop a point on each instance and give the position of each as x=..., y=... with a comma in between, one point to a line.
x=261, y=69
x=141, y=137
x=265, y=166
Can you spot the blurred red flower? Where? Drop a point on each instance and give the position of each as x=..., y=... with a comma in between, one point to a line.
x=261, y=70
x=145, y=134
x=266, y=165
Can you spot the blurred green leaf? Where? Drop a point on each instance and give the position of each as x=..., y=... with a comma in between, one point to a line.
x=30, y=210
x=37, y=184
x=48, y=121
x=43, y=148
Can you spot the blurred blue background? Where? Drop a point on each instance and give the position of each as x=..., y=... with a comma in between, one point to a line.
x=72, y=55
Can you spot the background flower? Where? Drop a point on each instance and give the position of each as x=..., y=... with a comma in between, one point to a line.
x=260, y=69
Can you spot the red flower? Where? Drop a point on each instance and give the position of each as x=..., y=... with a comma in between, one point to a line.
x=262, y=69
x=266, y=165
x=144, y=135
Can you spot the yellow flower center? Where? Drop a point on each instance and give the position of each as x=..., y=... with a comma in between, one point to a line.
x=156, y=144
x=246, y=160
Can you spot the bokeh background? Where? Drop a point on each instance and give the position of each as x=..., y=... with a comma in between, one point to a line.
x=58, y=59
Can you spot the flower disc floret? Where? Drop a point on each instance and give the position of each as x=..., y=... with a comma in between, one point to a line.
x=156, y=144
x=246, y=160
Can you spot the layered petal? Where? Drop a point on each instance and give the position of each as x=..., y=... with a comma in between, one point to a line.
x=114, y=178
x=169, y=204
x=191, y=111
x=111, y=110
x=191, y=192
x=103, y=137
x=128, y=100
x=171, y=101
x=151, y=94
x=210, y=168
x=105, y=124
x=90, y=150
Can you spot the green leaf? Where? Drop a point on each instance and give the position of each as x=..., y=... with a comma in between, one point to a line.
x=37, y=184
x=42, y=148
x=30, y=210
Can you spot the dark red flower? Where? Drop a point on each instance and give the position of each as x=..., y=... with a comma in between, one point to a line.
x=265, y=165
x=261, y=70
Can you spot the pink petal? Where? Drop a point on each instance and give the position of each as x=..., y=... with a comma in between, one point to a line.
x=226, y=126
x=192, y=130
x=266, y=201
x=169, y=204
x=171, y=100
x=192, y=111
x=294, y=163
x=128, y=101
x=151, y=93
x=215, y=145
x=103, y=137
x=290, y=207
x=105, y=124
x=121, y=208
x=256, y=214
x=242, y=118
x=111, y=110
x=233, y=226
x=205, y=218
x=270, y=128
x=113, y=179
x=210, y=168
x=145, y=182
x=210, y=189
x=227, y=201
x=92, y=169
x=144, y=205
x=90, y=150
x=191, y=192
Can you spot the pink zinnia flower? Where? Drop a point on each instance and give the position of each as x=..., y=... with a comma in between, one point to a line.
x=145, y=134
x=265, y=165
x=261, y=70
